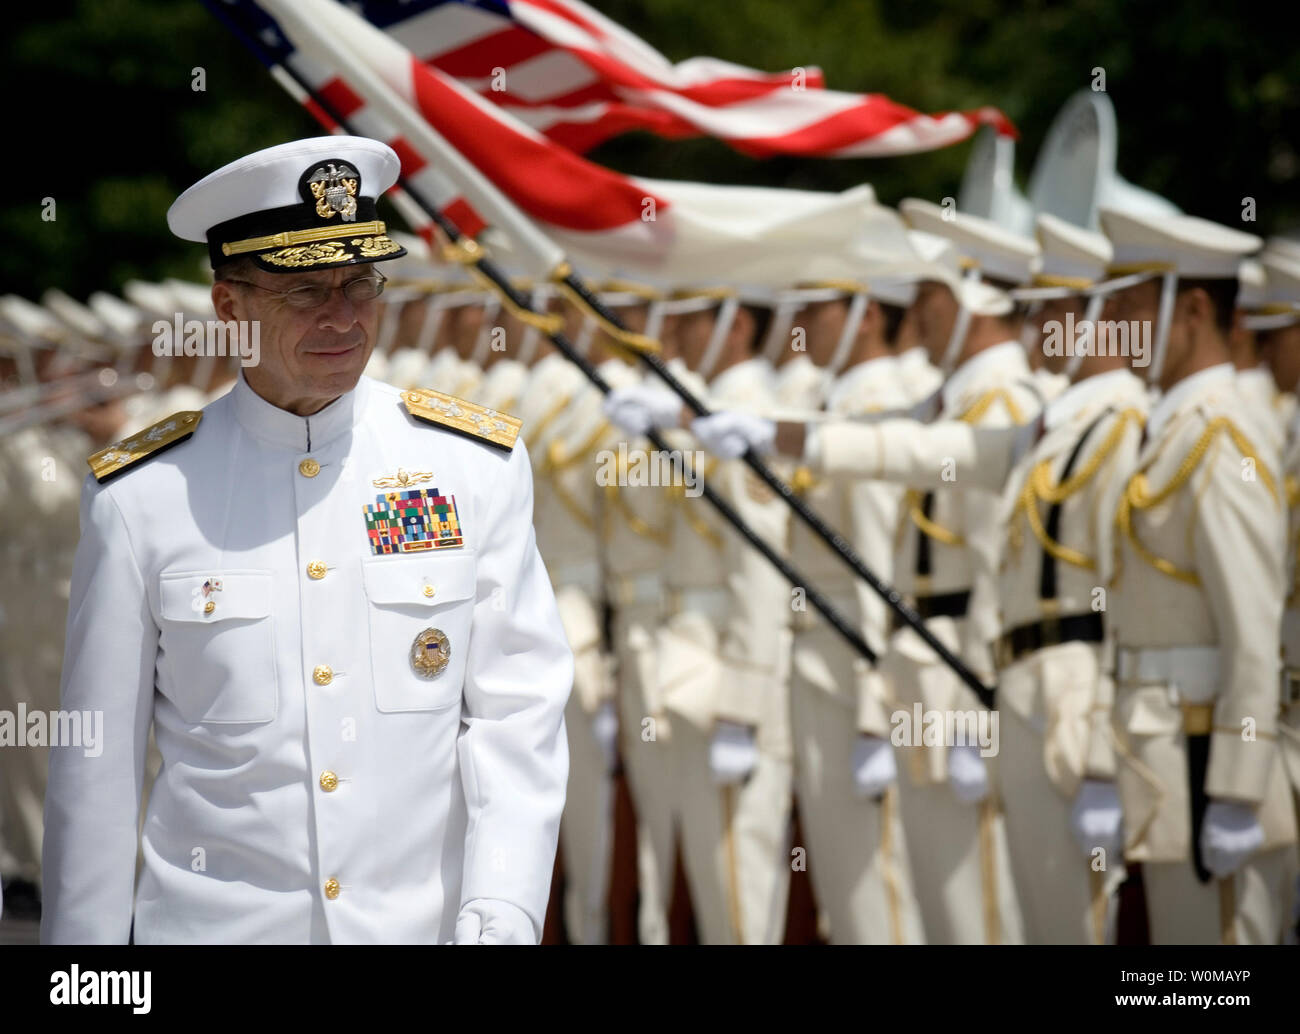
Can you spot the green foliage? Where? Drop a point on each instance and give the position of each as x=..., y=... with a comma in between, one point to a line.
x=108, y=125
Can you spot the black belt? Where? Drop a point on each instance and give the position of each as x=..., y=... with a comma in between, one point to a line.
x=1038, y=635
x=941, y=605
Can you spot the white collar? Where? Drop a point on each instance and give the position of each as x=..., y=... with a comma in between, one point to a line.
x=300, y=433
x=865, y=372
x=914, y=357
x=1186, y=390
x=1009, y=354
x=735, y=379
x=1087, y=393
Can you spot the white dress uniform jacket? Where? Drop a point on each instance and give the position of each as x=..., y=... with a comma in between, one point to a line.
x=315, y=787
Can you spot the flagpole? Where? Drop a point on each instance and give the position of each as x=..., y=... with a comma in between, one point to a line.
x=531, y=241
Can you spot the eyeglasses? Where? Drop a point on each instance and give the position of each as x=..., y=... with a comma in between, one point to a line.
x=313, y=296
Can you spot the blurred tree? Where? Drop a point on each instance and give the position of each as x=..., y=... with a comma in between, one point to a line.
x=1208, y=97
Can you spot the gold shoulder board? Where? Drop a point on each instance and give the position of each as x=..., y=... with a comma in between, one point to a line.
x=121, y=456
x=467, y=418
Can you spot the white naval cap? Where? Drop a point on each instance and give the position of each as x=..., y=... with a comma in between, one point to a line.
x=945, y=266
x=1072, y=256
x=1252, y=282
x=1188, y=246
x=1280, y=304
x=301, y=206
x=994, y=250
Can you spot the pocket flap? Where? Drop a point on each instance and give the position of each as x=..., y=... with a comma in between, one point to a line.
x=420, y=583
x=229, y=595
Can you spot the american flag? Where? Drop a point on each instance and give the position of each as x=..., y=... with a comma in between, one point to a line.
x=577, y=77
x=596, y=215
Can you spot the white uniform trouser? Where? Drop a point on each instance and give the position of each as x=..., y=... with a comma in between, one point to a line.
x=857, y=855
x=587, y=827
x=645, y=742
x=961, y=865
x=735, y=839
x=1246, y=908
x=1067, y=896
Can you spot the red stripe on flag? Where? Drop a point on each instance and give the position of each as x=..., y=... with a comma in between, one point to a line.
x=467, y=220
x=477, y=59
x=411, y=159
x=550, y=183
x=339, y=97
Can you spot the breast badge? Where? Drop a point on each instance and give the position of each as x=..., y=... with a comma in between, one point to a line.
x=430, y=653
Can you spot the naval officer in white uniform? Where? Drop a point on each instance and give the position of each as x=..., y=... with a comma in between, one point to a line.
x=324, y=595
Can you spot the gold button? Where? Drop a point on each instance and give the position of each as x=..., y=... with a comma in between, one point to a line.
x=329, y=782
x=331, y=888
x=209, y=607
x=316, y=569
x=428, y=590
x=322, y=674
x=309, y=468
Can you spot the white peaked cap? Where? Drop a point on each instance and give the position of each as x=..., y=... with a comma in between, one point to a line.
x=943, y=264
x=1072, y=256
x=1252, y=283
x=1186, y=245
x=300, y=206
x=993, y=249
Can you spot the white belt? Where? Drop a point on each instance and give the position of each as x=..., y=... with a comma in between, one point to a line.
x=1191, y=671
x=713, y=601
x=646, y=589
x=585, y=574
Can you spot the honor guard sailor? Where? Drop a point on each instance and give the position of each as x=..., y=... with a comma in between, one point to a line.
x=1197, y=602
x=323, y=594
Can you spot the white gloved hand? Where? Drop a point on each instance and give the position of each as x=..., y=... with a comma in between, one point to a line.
x=1095, y=818
x=604, y=727
x=491, y=921
x=733, y=752
x=967, y=774
x=728, y=435
x=874, y=770
x=1229, y=835
x=639, y=407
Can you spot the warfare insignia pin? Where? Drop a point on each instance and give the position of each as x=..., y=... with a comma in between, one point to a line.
x=403, y=479
x=412, y=521
x=430, y=653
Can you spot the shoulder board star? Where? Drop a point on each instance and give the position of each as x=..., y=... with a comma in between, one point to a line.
x=467, y=418
x=121, y=456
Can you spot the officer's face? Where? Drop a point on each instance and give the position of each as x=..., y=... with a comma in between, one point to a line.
x=822, y=323
x=935, y=310
x=692, y=335
x=1053, y=316
x=1280, y=348
x=309, y=357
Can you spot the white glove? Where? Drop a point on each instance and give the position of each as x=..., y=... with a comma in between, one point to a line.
x=639, y=407
x=1095, y=818
x=1230, y=834
x=604, y=727
x=874, y=770
x=733, y=752
x=491, y=921
x=728, y=435
x=967, y=774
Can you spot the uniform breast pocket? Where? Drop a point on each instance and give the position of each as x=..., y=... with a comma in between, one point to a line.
x=218, y=646
x=421, y=611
